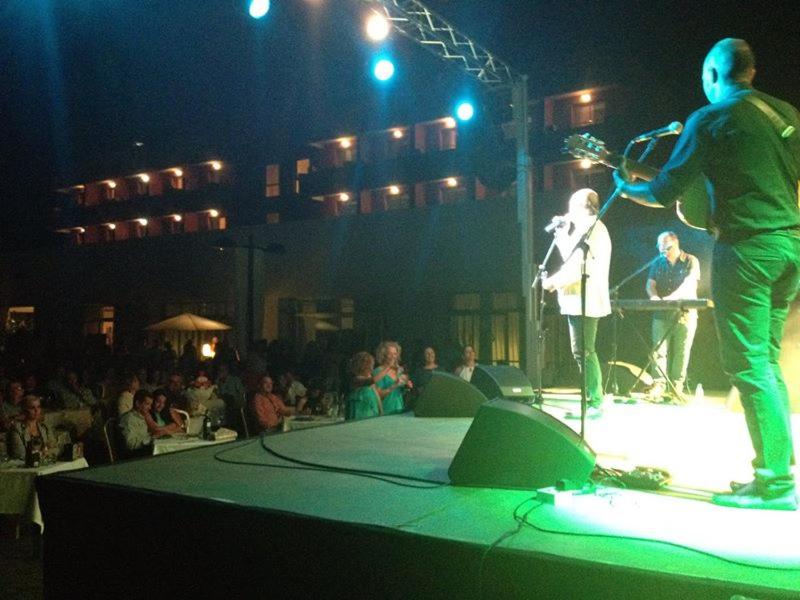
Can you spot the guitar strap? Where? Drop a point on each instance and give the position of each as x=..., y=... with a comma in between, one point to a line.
x=781, y=127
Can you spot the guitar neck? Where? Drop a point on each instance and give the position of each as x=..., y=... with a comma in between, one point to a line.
x=634, y=168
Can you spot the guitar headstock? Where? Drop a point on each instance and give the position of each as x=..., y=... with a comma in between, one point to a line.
x=586, y=146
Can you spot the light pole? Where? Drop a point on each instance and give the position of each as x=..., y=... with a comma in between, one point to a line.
x=229, y=243
x=414, y=20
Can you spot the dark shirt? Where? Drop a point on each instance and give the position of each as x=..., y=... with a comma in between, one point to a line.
x=751, y=171
x=669, y=277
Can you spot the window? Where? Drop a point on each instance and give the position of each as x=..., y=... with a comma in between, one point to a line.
x=139, y=229
x=465, y=321
x=488, y=321
x=302, y=167
x=19, y=317
x=99, y=321
x=505, y=328
x=587, y=114
x=394, y=197
x=273, y=188
x=171, y=225
x=596, y=177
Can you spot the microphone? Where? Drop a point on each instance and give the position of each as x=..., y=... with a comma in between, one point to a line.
x=555, y=224
x=673, y=128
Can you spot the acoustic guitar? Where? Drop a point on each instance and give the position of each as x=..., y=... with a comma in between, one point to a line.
x=694, y=205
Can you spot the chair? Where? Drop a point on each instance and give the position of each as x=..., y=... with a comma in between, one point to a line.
x=243, y=416
x=186, y=418
x=109, y=435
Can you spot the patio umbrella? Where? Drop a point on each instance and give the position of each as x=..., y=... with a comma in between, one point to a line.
x=187, y=322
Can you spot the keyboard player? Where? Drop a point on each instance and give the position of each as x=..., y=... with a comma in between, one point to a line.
x=673, y=276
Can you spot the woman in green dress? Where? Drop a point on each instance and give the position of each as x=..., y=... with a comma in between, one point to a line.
x=390, y=378
x=363, y=400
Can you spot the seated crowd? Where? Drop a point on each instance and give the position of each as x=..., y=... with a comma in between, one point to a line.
x=150, y=395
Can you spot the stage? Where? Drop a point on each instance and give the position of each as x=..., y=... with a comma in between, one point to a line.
x=238, y=520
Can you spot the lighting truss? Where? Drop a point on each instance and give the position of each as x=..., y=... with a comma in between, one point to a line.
x=414, y=20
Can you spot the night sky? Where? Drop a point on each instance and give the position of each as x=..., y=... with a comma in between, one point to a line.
x=82, y=80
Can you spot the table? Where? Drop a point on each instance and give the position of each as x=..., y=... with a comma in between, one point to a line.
x=180, y=442
x=295, y=422
x=17, y=490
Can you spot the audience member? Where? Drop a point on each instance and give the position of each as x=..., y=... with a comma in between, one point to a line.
x=363, y=400
x=422, y=373
x=11, y=405
x=189, y=361
x=30, y=431
x=468, y=362
x=390, y=378
x=203, y=399
x=293, y=392
x=268, y=408
x=163, y=415
x=135, y=432
x=73, y=394
x=129, y=387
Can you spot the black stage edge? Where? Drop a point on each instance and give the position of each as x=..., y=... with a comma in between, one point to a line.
x=104, y=541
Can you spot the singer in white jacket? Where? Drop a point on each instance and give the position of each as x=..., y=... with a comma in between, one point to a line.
x=569, y=230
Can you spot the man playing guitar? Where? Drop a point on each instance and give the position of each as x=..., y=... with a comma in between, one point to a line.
x=745, y=143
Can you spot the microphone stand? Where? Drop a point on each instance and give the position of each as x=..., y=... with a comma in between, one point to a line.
x=584, y=246
x=611, y=375
x=538, y=315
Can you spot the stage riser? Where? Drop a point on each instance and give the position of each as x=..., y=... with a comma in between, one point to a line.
x=110, y=542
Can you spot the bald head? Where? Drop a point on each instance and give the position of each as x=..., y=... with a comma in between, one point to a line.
x=729, y=63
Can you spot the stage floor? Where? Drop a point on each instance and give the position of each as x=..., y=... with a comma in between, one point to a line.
x=703, y=446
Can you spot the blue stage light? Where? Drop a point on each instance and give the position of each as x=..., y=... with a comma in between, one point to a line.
x=465, y=111
x=384, y=69
x=258, y=8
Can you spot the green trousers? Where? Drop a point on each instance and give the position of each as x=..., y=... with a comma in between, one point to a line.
x=594, y=376
x=754, y=282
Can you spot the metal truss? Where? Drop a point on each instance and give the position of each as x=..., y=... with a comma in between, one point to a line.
x=414, y=20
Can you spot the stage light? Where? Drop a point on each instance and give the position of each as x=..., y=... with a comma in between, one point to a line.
x=111, y=184
x=144, y=177
x=216, y=165
x=344, y=197
x=111, y=226
x=586, y=163
x=397, y=134
x=142, y=222
x=449, y=123
x=177, y=218
x=377, y=27
x=213, y=213
x=394, y=190
x=384, y=69
x=465, y=111
x=177, y=172
x=258, y=8
x=451, y=182
x=585, y=98
x=80, y=230
x=345, y=143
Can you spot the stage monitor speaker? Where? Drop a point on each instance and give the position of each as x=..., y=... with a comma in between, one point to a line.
x=502, y=381
x=511, y=445
x=447, y=395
